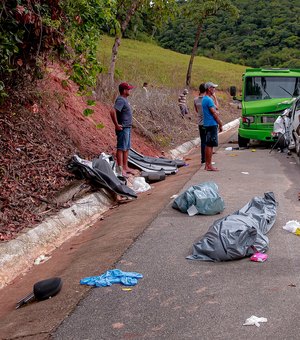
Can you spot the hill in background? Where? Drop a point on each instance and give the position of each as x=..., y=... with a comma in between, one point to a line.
x=266, y=34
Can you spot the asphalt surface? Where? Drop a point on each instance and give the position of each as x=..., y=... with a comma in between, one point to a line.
x=177, y=298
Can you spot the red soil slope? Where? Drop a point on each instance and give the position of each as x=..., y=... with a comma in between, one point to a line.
x=38, y=137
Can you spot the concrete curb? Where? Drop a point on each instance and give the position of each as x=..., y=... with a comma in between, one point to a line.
x=18, y=255
x=188, y=146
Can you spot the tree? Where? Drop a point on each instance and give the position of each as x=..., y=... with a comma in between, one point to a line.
x=33, y=31
x=157, y=9
x=198, y=11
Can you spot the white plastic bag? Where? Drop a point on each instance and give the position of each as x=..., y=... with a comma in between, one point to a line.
x=292, y=227
x=254, y=320
x=139, y=184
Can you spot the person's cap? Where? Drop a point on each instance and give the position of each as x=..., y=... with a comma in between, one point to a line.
x=210, y=84
x=185, y=91
x=125, y=86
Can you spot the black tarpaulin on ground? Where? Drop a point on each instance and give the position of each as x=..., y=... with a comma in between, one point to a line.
x=153, y=164
x=234, y=236
x=100, y=172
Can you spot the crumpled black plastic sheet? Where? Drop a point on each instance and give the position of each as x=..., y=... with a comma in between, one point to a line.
x=238, y=235
x=153, y=164
x=100, y=172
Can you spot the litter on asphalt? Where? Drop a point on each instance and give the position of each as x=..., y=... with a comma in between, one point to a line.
x=254, y=320
x=201, y=199
x=259, y=257
x=112, y=276
x=292, y=227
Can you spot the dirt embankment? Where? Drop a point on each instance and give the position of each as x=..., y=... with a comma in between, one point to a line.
x=40, y=134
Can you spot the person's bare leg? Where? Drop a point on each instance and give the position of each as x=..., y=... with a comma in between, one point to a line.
x=208, y=155
x=125, y=160
x=125, y=163
x=208, y=159
x=120, y=157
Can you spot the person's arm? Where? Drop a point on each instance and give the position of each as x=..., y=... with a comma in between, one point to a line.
x=215, y=115
x=113, y=115
x=195, y=106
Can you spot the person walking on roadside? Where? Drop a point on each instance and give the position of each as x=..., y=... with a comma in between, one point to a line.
x=121, y=115
x=212, y=124
x=198, y=109
x=182, y=103
x=145, y=90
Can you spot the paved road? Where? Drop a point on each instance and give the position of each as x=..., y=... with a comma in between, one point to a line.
x=181, y=299
x=177, y=298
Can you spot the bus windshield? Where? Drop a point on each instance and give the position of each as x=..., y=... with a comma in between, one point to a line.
x=260, y=88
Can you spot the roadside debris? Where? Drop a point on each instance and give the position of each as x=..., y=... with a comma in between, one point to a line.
x=41, y=259
x=153, y=164
x=230, y=148
x=254, y=320
x=112, y=276
x=139, y=185
x=259, y=257
x=292, y=227
x=201, y=199
x=42, y=290
x=100, y=173
x=238, y=235
x=127, y=289
x=152, y=177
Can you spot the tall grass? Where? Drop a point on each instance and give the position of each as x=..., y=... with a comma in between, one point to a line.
x=138, y=62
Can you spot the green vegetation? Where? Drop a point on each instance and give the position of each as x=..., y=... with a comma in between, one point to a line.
x=33, y=31
x=265, y=34
x=138, y=62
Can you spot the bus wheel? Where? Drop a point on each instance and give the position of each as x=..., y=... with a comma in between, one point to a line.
x=243, y=142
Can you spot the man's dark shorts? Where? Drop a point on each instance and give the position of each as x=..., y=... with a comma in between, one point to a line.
x=211, y=135
x=123, y=139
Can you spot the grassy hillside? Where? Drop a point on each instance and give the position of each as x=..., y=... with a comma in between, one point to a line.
x=138, y=62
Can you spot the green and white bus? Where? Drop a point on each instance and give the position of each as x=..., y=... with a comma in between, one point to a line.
x=266, y=93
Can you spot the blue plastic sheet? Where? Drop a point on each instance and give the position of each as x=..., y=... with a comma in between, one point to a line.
x=112, y=276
